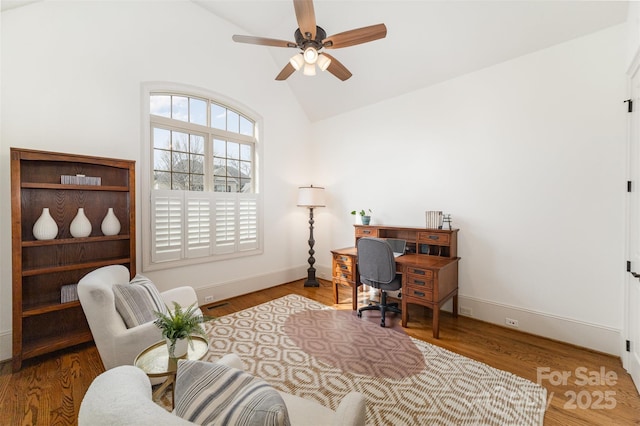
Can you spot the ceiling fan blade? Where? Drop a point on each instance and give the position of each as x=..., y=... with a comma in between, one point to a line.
x=357, y=36
x=286, y=72
x=306, y=17
x=263, y=41
x=336, y=68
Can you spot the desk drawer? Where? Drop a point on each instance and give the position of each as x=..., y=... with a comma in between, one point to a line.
x=434, y=238
x=419, y=283
x=418, y=272
x=343, y=281
x=419, y=295
x=342, y=271
x=366, y=232
x=343, y=260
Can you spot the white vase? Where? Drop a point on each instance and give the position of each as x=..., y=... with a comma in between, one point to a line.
x=45, y=227
x=80, y=225
x=110, y=223
x=180, y=348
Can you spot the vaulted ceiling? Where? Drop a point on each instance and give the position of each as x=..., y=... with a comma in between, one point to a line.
x=427, y=41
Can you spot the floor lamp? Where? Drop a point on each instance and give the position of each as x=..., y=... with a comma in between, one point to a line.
x=311, y=196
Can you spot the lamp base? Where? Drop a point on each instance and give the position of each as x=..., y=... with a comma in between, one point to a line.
x=311, y=272
x=311, y=283
x=311, y=280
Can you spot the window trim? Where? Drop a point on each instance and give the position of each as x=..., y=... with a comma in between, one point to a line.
x=146, y=165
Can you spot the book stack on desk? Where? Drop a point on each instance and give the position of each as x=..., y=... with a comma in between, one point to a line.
x=434, y=219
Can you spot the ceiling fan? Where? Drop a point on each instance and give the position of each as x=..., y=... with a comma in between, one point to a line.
x=311, y=39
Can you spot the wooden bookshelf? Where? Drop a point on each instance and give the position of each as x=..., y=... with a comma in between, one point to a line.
x=41, y=323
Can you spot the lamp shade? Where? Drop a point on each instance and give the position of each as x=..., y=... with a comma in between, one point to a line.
x=323, y=62
x=310, y=55
x=309, y=69
x=297, y=61
x=311, y=196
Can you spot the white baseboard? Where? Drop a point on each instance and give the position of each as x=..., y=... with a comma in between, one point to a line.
x=323, y=272
x=579, y=333
x=229, y=289
x=6, y=345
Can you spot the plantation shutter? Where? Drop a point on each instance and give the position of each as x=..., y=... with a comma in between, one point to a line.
x=225, y=223
x=198, y=223
x=166, y=223
x=191, y=224
x=248, y=222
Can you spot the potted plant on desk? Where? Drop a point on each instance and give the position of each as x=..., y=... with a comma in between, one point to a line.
x=364, y=217
x=178, y=326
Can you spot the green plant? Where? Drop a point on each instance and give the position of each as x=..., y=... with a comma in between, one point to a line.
x=181, y=324
x=361, y=212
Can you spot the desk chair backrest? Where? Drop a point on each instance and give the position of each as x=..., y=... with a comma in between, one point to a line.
x=376, y=262
x=398, y=246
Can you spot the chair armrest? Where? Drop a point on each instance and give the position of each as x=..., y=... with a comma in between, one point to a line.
x=122, y=396
x=351, y=411
x=185, y=296
x=128, y=344
x=231, y=360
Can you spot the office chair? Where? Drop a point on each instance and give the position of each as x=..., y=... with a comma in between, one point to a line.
x=397, y=246
x=377, y=268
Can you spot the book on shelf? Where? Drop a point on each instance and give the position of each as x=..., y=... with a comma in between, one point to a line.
x=68, y=293
x=80, y=180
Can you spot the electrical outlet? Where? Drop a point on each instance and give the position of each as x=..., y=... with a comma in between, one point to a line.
x=208, y=299
x=468, y=312
x=512, y=322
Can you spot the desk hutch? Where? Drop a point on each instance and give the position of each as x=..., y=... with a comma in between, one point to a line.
x=429, y=268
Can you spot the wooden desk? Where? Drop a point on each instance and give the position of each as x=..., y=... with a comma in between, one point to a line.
x=344, y=272
x=429, y=271
x=428, y=281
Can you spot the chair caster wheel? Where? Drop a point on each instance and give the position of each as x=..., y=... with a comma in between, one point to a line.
x=359, y=314
x=381, y=323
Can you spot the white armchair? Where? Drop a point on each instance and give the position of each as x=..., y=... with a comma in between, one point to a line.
x=122, y=396
x=117, y=344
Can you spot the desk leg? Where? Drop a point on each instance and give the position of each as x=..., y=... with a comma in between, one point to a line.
x=405, y=313
x=455, y=305
x=335, y=292
x=436, y=322
x=354, y=296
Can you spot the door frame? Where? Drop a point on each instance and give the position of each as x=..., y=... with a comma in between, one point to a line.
x=631, y=308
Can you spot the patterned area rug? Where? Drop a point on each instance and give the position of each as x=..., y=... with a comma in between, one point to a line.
x=311, y=350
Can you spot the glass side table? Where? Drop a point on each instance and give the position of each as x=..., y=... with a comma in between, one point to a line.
x=155, y=362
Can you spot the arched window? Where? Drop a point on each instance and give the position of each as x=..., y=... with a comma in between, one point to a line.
x=202, y=178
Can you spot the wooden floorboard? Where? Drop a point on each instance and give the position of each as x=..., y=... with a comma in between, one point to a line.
x=48, y=389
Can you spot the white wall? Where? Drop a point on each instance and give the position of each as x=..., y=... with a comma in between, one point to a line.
x=71, y=82
x=529, y=158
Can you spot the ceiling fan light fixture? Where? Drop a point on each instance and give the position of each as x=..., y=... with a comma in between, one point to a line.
x=323, y=62
x=297, y=61
x=310, y=55
x=309, y=69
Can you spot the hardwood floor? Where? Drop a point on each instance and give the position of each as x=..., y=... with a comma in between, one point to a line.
x=48, y=390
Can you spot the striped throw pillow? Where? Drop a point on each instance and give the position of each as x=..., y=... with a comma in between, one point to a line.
x=214, y=394
x=137, y=301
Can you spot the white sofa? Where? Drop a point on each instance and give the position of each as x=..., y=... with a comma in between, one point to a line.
x=117, y=344
x=122, y=396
